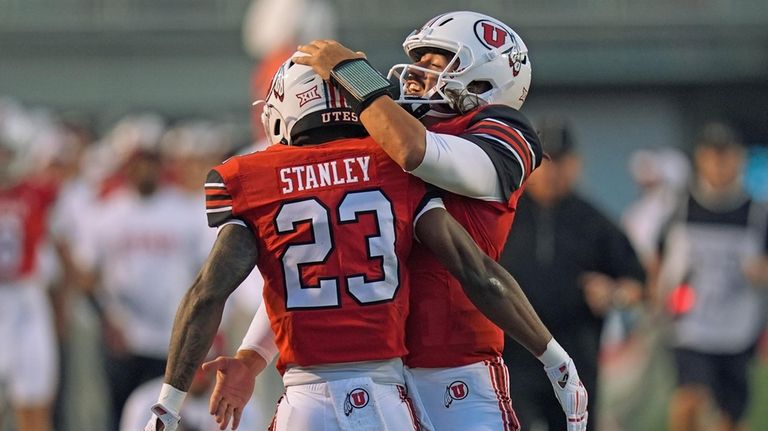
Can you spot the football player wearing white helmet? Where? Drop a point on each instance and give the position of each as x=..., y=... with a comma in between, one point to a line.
x=29, y=358
x=329, y=218
x=456, y=123
x=474, y=148
x=492, y=67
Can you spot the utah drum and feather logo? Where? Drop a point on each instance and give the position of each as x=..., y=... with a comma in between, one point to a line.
x=457, y=390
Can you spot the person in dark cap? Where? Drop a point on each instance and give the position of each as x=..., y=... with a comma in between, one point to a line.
x=711, y=283
x=574, y=264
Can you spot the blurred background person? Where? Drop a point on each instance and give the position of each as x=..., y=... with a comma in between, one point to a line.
x=141, y=249
x=61, y=165
x=714, y=263
x=190, y=148
x=271, y=31
x=29, y=356
x=661, y=175
x=574, y=264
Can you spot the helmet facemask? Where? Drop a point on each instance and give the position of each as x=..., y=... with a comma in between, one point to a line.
x=444, y=98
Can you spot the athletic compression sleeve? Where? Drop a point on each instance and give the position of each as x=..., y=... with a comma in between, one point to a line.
x=459, y=166
x=260, y=337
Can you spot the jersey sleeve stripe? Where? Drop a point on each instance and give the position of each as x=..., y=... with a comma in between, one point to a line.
x=218, y=210
x=514, y=134
x=218, y=203
x=510, y=138
x=504, y=136
x=218, y=199
x=531, y=151
x=216, y=192
x=506, y=146
x=508, y=165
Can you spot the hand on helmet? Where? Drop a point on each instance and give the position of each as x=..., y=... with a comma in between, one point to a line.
x=323, y=55
x=571, y=394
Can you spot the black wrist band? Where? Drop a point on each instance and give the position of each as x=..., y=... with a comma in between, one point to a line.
x=360, y=83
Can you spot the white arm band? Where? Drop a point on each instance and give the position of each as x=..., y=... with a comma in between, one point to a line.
x=432, y=204
x=171, y=398
x=260, y=337
x=459, y=166
x=554, y=355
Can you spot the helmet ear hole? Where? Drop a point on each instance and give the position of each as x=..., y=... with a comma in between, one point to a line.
x=277, y=127
x=479, y=87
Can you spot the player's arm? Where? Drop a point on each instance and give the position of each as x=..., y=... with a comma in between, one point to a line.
x=488, y=165
x=450, y=162
x=487, y=284
x=197, y=320
x=498, y=296
x=400, y=134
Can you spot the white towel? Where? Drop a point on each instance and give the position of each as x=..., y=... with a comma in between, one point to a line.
x=354, y=401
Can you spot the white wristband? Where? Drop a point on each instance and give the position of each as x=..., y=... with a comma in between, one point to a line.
x=554, y=355
x=171, y=398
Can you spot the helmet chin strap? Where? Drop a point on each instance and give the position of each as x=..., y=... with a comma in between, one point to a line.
x=416, y=109
x=418, y=106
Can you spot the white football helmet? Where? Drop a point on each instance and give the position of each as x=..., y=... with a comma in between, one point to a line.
x=298, y=101
x=490, y=64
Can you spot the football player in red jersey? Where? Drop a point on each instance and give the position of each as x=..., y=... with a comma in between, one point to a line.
x=329, y=218
x=456, y=124
x=28, y=358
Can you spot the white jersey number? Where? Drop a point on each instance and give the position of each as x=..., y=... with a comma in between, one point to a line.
x=381, y=248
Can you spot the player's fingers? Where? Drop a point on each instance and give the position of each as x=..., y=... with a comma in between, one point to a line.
x=236, y=414
x=227, y=414
x=218, y=364
x=213, y=402
x=309, y=48
x=220, y=410
x=303, y=59
x=223, y=424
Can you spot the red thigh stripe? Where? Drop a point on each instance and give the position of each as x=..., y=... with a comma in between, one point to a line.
x=409, y=403
x=500, y=382
x=273, y=424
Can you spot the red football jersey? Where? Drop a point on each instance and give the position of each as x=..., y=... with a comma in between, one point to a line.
x=23, y=216
x=334, y=224
x=444, y=328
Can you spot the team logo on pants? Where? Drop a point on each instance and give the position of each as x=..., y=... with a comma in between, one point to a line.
x=356, y=399
x=457, y=390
